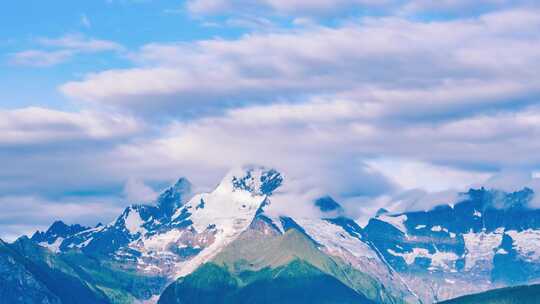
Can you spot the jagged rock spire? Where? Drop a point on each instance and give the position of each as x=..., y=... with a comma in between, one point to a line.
x=257, y=180
x=174, y=197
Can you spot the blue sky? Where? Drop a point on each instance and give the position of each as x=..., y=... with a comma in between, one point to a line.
x=129, y=23
x=105, y=103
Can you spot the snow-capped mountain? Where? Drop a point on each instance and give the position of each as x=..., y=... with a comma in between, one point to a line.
x=490, y=238
x=180, y=231
x=55, y=235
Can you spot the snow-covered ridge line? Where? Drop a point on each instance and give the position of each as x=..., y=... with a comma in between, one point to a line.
x=183, y=230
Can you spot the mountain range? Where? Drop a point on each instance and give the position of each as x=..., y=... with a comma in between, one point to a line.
x=226, y=246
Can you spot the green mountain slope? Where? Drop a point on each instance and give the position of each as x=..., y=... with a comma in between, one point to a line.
x=17, y=283
x=269, y=268
x=56, y=286
x=255, y=251
x=510, y=295
x=69, y=278
x=297, y=282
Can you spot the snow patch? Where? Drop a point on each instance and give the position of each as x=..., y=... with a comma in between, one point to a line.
x=396, y=221
x=480, y=247
x=134, y=222
x=161, y=242
x=436, y=228
x=335, y=238
x=502, y=251
x=526, y=243
x=444, y=259
x=55, y=246
x=439, y=259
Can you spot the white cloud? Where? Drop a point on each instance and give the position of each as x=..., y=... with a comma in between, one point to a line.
x=322, y=146
x=34, y=125
x=329, y=146
x=37, y=58
x=27, y=213
x=428, y=177
x=50, y=153
x=322, y=8
x=136, y=190
x=515, y=179
x=420, y=200
x=461, y=7
x=80, y=43
x=361, y=111
x=444, y=68
x=250, y=22
x=198, y=6
x=61, y=50
x=323, y=143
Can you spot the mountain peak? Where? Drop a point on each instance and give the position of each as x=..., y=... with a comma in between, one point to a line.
x=182, y=185
x=175, y=196
x=58, y=226
x=381, y=211
x=327, y=204
x=500, y=199
x=57, y=229
x=257, y=180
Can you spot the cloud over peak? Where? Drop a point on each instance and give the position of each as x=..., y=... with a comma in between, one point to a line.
x=376, y=103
